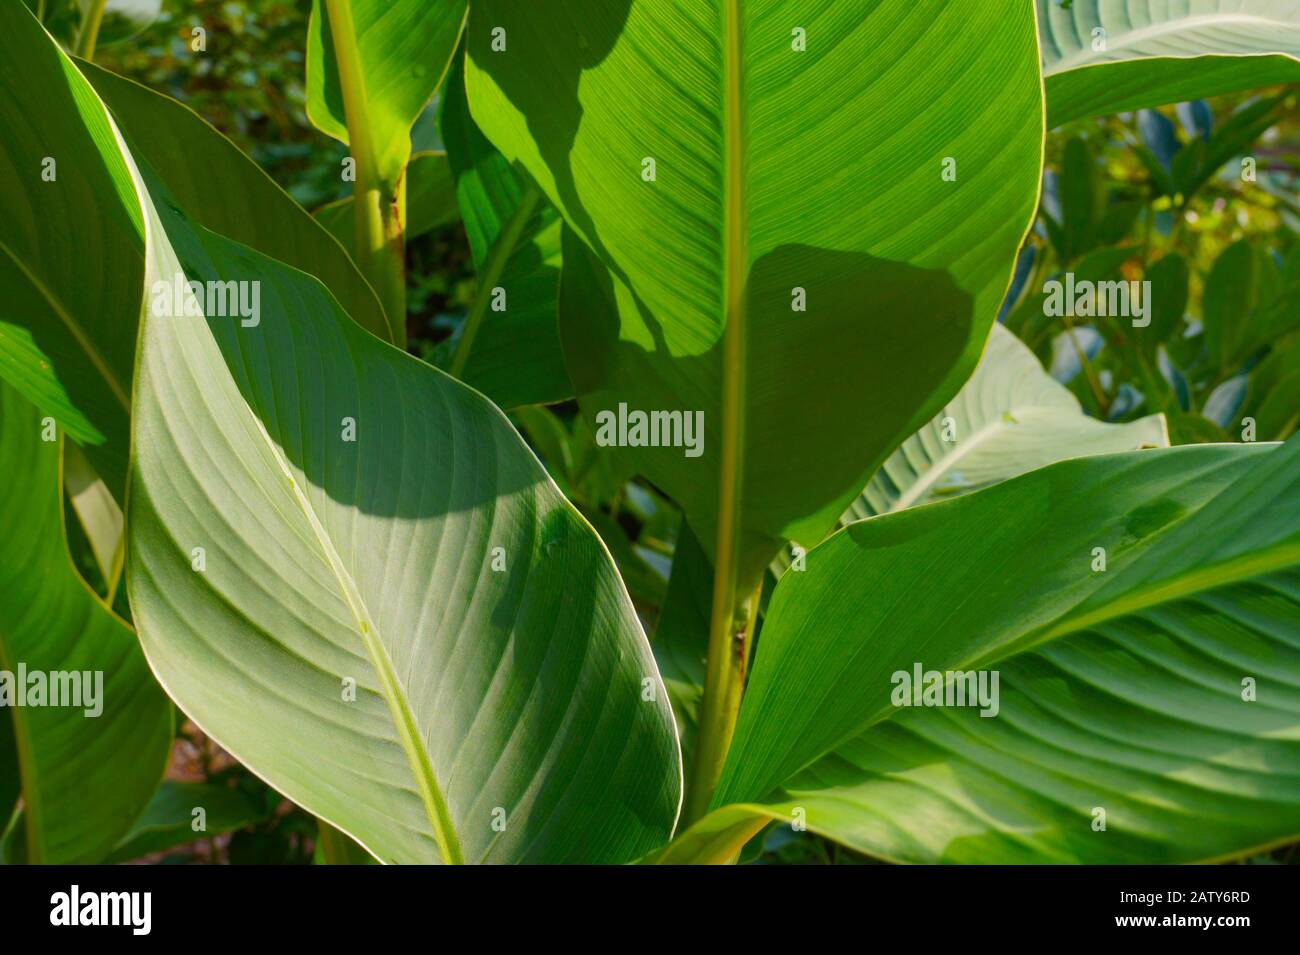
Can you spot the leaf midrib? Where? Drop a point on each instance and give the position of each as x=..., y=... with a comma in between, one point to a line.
x=946, y=463
x=1085, y=56
x=435, y=804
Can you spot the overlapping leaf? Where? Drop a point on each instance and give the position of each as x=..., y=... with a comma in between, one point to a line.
x=404, y=48
x=227, y=192
x=509, y=347
x=85, y=775
x=715, y=164
x=328, y=609
x=1011, y=417
x=1162, y=689
x=1106, y=56
x=69, y=259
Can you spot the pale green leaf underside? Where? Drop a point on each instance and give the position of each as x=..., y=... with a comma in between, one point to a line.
x=325, y=561
x=1010, y=418
x=329, y=560
x=1120, y=690
x=405, y=47
x=84, y=779
x=1237, y=44
x=775, y=169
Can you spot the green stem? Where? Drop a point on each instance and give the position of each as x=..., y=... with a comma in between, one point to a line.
x=730, y=640
x=40, y=10
x=491, y=274
x=88, y=35
x=380, y=208
x=730, y=621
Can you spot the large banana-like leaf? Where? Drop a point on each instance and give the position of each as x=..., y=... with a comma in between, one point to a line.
x=499, y=711
x=1105, y=56
x=225, y=191
x=733, y=177
x=1163, y=689
x=69, y=261
x=85, y=775
x=1011, y=417
x=385, y=628
x=509, y=347
x=402, y=50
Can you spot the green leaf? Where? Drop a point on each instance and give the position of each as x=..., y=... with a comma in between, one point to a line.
x=381, y=553
x=69, y=254
x=786, y=155
x=86, y=770
x=1232, y=291
x=512, y=353
x=1079, y=199
x=170, y=818
x=1151, y=52
x=681, y=634
x=334, y=848
x=1169, y=279
x=1123, y=689
x=1271, y=397
x=404, y=48
x=1010, y=418
x=98, y=513
x=430, y=202
x=225, y=191
x=326, y=560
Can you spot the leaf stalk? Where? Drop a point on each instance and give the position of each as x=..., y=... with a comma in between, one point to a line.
x=380, y=207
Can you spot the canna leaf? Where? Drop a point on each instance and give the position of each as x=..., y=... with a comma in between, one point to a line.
x=1162, y=689
x=224, y=190
x=1103, y=57
x=86, y=771
x=509, y=346
x=69, y=260
x=403, y=49
x=776, y=147
x=1010, y=418
x=169, y=820
x=342, y=593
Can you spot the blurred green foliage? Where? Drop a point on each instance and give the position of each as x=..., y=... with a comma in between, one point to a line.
x=1201, y=199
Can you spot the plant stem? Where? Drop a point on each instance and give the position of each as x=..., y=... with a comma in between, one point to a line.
x=380, y=208
x=730, y=625
x=730, y=640
x=88, y=34
x=495, y=265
